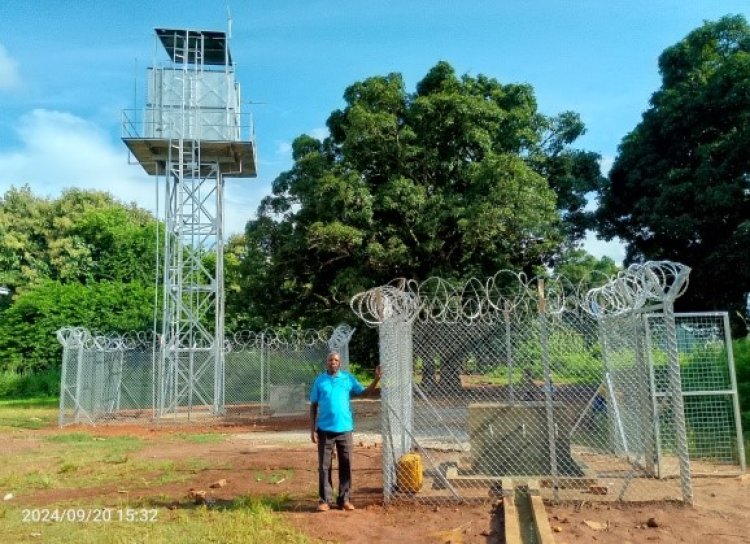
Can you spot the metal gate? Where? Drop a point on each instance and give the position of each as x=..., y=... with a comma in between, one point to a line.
x=709, y=392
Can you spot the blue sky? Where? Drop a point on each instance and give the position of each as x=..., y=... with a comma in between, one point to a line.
x=68, y=68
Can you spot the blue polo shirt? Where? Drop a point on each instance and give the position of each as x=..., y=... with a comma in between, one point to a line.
x=332, y=395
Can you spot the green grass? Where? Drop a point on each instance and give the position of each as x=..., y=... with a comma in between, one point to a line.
x=200, y=438
x=69, y=460
x=363, y=375
x=273, y=476
x=245, y=520
x=31, y=402
x=32, y=413
x=167, y=471
x=84, y=460
x=502, y=379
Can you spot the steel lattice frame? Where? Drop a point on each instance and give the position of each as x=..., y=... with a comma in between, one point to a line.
x=193, y=296
x=191, y=137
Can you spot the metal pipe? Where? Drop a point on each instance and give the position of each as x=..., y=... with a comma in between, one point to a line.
x=655, y=413
x=542, y=307
x=735, y=400
x=678, y=409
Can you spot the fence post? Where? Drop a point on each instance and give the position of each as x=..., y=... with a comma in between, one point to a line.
x=656, y=427
x=63, y=384
x=219, y=355
x=79, y=383
x=735, y=400
x=552, y=439
x=678, y=409
x=509, y=351
x=262, y=371
x=645, y=407
x=386, y=343
x=118, y=376
x=155, y=381
x=405, y=377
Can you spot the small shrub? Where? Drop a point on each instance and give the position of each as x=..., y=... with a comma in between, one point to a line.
x=741, y=350
x=26, y=384
x=67, y=467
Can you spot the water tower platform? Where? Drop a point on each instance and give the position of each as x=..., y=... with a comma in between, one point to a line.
x=235, y=158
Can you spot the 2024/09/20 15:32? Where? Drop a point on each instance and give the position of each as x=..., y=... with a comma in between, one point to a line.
x=89, y=515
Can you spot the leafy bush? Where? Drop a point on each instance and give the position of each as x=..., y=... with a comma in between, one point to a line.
x=27, y=328
x=572, y=356
x=14, y=385
x=742, y=365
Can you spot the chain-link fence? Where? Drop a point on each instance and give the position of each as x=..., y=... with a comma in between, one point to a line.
x=512, y=378
x=105, y=376
x=269, y=373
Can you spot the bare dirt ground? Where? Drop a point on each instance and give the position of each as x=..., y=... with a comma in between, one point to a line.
x=276, y=458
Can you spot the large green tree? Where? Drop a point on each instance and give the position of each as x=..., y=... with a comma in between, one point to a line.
x=83, y=259
x=581, y=268
x=461, y=178
x=80, y=237
x=679, y=188
x=27, y=328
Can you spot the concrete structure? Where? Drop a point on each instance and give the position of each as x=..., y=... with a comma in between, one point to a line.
x=512, y=439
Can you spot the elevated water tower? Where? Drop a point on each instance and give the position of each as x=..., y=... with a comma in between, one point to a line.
x=191, y=134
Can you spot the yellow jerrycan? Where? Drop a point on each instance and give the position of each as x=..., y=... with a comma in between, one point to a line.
x=409, y=477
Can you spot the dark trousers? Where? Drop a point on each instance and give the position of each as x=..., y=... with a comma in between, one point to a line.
x=343, y=444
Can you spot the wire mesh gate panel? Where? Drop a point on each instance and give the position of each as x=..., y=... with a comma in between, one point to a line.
x=121, y=376
x=512, y=378
x=709, y=390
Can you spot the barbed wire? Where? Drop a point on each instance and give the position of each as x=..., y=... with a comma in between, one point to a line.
x=653, y=281
x=439, y=300
x=340, y=337
x=83, y=337
x=74, y=337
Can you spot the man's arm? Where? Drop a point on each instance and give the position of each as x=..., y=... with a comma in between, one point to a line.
x=313, y=421
x=370, y=389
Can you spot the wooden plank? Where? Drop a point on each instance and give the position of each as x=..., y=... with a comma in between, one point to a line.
x=512, y=525
x=541, y=521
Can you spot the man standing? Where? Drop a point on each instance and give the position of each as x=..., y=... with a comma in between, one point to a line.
x=331, y=424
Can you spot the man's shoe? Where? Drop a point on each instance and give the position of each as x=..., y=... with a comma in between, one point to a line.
x=323, y=507
x=347, y=506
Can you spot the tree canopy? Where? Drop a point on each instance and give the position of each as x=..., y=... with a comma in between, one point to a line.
x=83, y=259
x=461, y=178
x=581, y=268
x=28, y=326
x=82, y=236
x=679, y=188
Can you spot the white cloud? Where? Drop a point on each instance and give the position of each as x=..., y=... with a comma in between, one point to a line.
x=59, y=150
x=606, y=163
x=320, y=133
x=614, y=249
x=241, y=199
x=9, y=76
x=284, y=148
